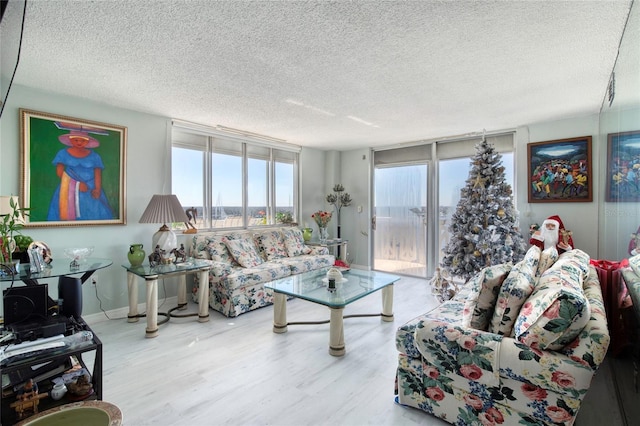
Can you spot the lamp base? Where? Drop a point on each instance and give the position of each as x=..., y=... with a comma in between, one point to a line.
x=165, y=239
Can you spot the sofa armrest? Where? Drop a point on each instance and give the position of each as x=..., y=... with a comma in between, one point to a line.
x=550, y=370
x=470, y=353
x=571, y=369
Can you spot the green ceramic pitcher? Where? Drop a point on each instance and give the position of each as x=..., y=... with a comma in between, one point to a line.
x=136, y=254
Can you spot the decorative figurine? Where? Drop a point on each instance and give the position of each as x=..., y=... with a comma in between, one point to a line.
x=192, y=215
x=155, y=258
x=82, y=386
x=27, y=400
x=180, y=253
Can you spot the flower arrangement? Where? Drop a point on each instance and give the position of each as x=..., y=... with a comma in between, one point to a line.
x=322, y=218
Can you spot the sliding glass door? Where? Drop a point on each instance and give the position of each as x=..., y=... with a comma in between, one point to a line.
x=415, y=190
x=399, y=221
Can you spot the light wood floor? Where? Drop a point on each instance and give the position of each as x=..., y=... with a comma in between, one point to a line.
x=236, y=371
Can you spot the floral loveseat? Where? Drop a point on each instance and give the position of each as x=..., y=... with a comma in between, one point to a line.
x=519, y=345
x=243, y=261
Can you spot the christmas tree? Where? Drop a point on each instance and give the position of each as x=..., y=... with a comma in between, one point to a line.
x=483, y=229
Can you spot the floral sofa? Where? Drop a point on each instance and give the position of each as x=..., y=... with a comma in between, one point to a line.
x=243, y=261
x=519, y=345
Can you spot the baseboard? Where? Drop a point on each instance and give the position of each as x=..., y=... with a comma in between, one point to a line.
x=121, y=313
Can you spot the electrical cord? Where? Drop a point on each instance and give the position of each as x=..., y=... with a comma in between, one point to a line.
x=24, y=13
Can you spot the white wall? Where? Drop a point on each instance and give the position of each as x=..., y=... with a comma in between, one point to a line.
x=147, y=173
x=617, y=220
x=312, y=186
x=581, y=218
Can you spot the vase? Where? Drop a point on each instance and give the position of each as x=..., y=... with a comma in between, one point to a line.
x=324, y=234
x=136, y=254
x=306, y=234
x=58, y=391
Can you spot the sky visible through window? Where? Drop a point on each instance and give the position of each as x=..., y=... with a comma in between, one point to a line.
x=454, y=173
x=227, y=180
x=187, y=182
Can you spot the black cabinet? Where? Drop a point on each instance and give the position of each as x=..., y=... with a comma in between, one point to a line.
x=56, y=360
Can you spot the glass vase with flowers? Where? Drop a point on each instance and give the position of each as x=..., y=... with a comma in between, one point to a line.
x=322, y=219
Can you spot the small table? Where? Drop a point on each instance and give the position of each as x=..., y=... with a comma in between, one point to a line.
x=58, y=268
x=312, y=286
x=336, y=242
x=151, y=275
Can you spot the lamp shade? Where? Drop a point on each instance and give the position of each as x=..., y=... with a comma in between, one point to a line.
x=164, y=209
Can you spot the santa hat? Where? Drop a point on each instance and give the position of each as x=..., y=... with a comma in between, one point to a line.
x=555, y=219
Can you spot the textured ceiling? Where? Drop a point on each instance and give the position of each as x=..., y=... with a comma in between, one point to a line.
x=330, y=75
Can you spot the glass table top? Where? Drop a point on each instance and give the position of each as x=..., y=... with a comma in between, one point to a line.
x=313, y=286
x=190, y=264
x=57, y=268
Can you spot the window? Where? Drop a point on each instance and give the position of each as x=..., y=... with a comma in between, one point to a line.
x=232, y=181
x=447, y=170
x=453, y=171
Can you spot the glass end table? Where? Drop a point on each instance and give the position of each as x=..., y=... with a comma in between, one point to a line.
x=151, y=274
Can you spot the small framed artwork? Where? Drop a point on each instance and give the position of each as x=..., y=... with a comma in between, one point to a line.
x=560, y=171
x=623, y=167
x=72, y=171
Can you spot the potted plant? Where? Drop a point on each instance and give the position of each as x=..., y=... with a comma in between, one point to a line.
x=22, y=245
x=10, y=226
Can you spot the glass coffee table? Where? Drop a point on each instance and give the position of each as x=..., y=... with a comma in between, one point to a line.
x=313, y=287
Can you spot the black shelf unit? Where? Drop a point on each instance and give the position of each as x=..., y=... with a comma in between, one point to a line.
x=56, y=355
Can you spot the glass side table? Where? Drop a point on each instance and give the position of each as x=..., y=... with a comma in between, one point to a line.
x=151, y=276
x=332, y=244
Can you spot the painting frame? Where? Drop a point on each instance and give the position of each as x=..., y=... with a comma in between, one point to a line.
x=559, y=171
x=73, y=171
x=623, y=149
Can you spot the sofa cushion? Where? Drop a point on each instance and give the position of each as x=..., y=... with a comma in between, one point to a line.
x=217, y=249
x=306, y=262
x=481, y=301
x=251, y=276
x=294, y=242
x=271, y=244
x=547, y=258
x=557, y=310
x=514, y=291
x=243, y=251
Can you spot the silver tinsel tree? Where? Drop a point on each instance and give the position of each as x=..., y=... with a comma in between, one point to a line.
x=483, y=229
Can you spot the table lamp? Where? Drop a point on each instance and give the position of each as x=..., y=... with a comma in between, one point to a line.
x=164, y=209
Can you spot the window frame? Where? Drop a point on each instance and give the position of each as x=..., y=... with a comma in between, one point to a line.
x=210, y=141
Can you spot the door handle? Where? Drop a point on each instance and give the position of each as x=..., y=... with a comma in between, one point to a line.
x=373, y=223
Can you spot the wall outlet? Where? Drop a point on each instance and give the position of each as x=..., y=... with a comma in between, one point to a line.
x=359, y=209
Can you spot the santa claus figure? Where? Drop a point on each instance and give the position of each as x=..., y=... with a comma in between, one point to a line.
x=552, y=233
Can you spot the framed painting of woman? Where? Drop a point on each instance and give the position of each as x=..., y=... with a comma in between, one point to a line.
x=72, y=170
